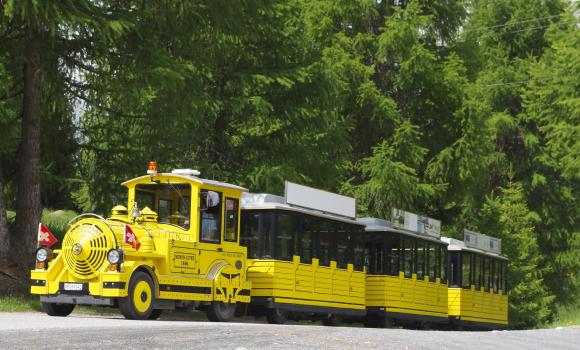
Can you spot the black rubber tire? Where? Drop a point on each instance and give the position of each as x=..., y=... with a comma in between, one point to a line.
x=333, y=320
x=128, y=306
x=276, y=316
x=218, y=311
x=378, y=322
x=60, y=310
x=155, y=314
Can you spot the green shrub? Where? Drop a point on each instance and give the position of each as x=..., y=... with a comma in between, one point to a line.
x=57, y=221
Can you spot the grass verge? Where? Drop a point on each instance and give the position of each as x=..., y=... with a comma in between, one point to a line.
x=568, y=315
x=13, y=304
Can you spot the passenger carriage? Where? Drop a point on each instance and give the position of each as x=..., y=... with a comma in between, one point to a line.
x=477, y=282
x=406, y=278
x=306, y=255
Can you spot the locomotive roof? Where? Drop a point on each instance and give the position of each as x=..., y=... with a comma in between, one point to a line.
x=381, y=225
x=185, y=178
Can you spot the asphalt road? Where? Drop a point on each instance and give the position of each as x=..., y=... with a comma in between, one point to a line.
x=81, y=331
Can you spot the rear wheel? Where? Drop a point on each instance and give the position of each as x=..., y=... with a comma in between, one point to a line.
x=61, y=310
x=276, y=316
x=218, y=311
x=332, y=320
x=138, y=304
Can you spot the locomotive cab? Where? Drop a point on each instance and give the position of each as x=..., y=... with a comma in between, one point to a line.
x=173, y=220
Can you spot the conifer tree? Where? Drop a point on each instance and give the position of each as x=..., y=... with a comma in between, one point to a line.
x=508, y=217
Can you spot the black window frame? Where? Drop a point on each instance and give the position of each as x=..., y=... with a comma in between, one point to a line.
x=219, y=216
x=236, y=219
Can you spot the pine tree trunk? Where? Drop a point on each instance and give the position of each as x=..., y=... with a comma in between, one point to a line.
x=28, y=205
x=4, y=233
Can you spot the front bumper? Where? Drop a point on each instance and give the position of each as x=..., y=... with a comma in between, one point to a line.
x=76, y=299
x=108, y=285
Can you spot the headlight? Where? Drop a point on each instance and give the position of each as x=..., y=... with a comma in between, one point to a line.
x=115, y=256
x=42, y=254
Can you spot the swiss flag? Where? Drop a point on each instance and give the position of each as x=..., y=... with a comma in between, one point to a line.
x=131, y=238
x=45, y=237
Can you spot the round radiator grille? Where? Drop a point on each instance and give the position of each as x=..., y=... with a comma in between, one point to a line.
x=85, y=248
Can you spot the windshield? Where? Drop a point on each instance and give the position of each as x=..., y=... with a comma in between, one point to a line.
x=171, y=202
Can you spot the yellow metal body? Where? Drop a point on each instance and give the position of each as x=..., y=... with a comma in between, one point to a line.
x=182, y=267
x=292, y=282
x=400, y=295
x=478, y=306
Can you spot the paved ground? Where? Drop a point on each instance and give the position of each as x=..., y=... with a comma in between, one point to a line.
x=79, y=331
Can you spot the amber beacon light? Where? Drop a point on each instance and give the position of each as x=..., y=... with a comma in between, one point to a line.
x=152, y=167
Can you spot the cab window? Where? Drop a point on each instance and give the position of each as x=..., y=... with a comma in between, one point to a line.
x=231, y=234
x=170, y=201
x=210, y=216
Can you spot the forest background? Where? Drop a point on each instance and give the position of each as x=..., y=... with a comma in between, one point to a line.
x=467, y=111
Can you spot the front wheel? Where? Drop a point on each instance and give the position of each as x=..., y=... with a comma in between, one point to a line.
x=61, y=310
x=221, y=312
x=138, y=304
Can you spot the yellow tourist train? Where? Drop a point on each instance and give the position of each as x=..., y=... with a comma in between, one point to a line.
x=184, y=242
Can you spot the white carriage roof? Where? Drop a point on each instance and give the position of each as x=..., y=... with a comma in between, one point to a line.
x=187, y=178
x=264, y=201
x=381, y=225
x=457, y=246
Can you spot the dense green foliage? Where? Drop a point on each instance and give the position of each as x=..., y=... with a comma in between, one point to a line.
x=468, y=111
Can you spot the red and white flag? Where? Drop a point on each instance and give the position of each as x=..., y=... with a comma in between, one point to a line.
x=45, y=237
x=131, y=238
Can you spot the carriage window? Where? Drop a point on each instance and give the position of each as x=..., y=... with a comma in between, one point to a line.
x=495, y=275
x=466, y=270
x=308, y=236
x=324, y=243
x=342, y=249
x=485, y=269
x=231, y=220
x=443, y=263
x=432, y=261
x=266, y=232
x=358, y=236
x=284, y=242
x=454, y=269
x=210, y=216
x=376, y=255
x=393, y=247
x=408, y=256
x=420, y=259
x=477, y=272
x=249, y=239
x=502, y=281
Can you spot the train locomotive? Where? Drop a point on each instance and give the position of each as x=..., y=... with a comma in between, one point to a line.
x=184, y=242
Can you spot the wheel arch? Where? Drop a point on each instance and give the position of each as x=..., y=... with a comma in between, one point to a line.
x=151, y=272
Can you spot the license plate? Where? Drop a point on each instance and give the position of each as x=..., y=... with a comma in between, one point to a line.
x=73, y=286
